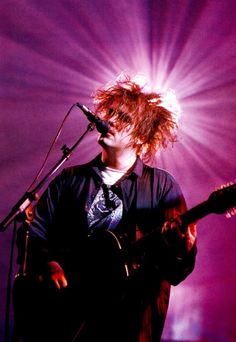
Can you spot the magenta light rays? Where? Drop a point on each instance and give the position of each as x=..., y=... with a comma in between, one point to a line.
x=56, y=53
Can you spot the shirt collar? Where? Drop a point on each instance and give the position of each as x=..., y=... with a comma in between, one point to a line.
x=137, y=169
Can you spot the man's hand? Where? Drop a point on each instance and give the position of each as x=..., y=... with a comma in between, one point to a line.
x=178, y=241
x=56, y=274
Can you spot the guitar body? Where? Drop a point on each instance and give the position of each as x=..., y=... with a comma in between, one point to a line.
x=98, y=295
x=106, y=259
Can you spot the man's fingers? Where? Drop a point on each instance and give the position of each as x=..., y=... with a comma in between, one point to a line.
x=63, y=282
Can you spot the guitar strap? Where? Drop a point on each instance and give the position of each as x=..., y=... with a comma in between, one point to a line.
x=143, y=198
x=131, y=224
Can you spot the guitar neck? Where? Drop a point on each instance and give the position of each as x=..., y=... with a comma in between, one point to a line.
x=218, y=202
x=190, y=216
x=199, y=211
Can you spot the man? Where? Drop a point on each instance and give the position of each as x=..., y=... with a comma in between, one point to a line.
x=106, y=241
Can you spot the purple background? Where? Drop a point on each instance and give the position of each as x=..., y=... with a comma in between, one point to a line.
x=55, y=53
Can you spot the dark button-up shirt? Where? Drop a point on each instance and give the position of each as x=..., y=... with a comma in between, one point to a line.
x=150, y=197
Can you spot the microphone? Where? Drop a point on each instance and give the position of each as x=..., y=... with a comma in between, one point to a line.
x=101, y=125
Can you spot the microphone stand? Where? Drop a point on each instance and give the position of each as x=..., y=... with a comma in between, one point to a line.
x=30, y=196
x=22, y=212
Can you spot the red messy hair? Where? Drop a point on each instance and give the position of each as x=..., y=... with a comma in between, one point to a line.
x=153, y=125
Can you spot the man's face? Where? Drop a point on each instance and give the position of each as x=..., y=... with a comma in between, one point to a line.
x=117, y=139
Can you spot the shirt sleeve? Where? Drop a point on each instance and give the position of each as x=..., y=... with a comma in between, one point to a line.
x=39, y=228
x=174, y=268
